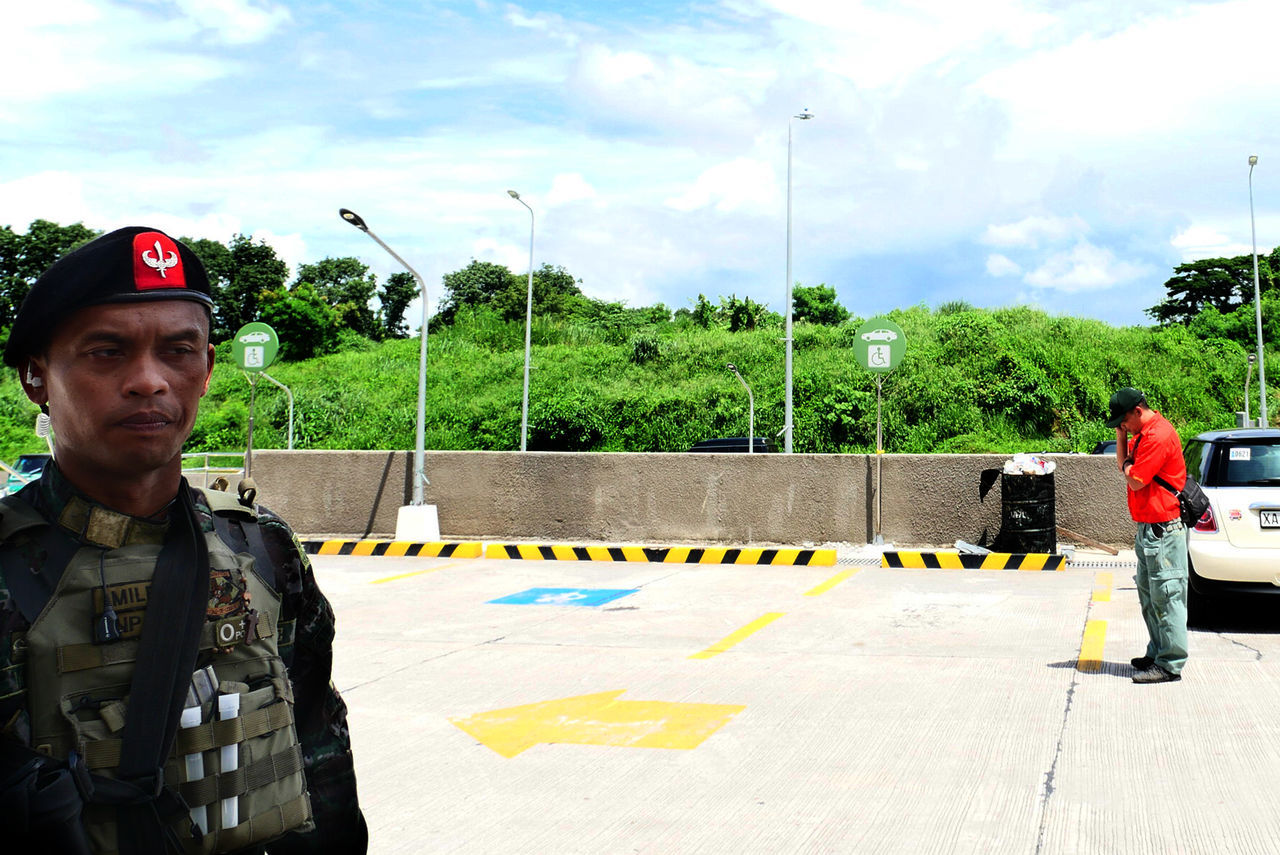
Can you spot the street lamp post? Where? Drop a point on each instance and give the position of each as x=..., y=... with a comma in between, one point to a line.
x=417, y=522
x=1257, y=304
x=528, y=330
x=751, y=405
x=787, y=426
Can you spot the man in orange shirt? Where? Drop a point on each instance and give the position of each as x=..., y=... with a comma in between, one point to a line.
x=1161, y=544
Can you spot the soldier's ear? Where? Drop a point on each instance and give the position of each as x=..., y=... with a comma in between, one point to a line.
x=31, y=374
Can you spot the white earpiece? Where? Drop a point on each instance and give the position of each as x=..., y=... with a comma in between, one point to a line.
x=33, y=380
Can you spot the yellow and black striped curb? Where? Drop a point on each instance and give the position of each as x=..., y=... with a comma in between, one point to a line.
x=970, y=561
x=665, y=554
x=393, y=548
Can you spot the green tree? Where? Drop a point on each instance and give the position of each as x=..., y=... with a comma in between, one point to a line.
x=471, y=287
x=305, y=322
x=395, y=296
x=556, y=293
x=347, y=285
x=23, y=257
x=1221, y=283
x=251, y=270
x=817, y=305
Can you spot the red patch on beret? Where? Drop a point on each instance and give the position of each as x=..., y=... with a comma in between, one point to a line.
x=157, y=262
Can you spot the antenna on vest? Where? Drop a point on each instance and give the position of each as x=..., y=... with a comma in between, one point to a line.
x=106, y=626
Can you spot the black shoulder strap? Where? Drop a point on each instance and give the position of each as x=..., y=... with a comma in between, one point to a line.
x=240, y=533
x=32, y=585
x=176, y=607
x=1166, y=485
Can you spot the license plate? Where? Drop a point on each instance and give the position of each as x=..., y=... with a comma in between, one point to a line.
x=1271, y=519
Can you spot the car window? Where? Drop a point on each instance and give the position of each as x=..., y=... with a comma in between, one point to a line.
x=1193, y=456
x=30, y=465
x=1243, y=464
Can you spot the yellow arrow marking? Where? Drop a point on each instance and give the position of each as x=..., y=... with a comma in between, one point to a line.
x=598, y=719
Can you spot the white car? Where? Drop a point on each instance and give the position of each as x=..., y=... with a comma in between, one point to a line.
x=255, y=337
x=879, y=335
x=1236, y=545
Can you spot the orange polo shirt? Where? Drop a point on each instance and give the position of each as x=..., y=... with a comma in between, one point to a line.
x=1159, y=452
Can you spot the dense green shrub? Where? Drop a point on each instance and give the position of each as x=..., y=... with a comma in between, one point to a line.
x=1000, y=381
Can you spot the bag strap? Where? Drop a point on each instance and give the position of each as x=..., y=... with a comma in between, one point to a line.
x=175, y=615
x=1156, y=478
x=1166, y=485
x=32, y=586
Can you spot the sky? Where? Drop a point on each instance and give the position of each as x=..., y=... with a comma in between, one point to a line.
x=1064, y=154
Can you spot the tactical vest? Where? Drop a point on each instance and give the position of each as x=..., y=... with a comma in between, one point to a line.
x=77, y=691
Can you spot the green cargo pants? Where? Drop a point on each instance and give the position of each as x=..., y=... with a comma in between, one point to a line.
x=1162, y=591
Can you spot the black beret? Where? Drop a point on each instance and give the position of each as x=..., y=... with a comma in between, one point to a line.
x=131, y=264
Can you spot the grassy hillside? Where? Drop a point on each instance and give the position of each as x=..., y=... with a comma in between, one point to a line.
x=972, y=381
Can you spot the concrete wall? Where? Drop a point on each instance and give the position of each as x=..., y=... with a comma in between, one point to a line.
x=677, y=498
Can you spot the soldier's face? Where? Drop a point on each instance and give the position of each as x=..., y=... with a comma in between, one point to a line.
x=123, y=382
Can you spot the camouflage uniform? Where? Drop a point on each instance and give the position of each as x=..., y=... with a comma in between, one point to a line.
x=319, y=712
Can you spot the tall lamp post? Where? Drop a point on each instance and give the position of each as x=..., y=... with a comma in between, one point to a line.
x=1257, y=304
x=802, y=115
x=417, y=521
x=751, y=404
x=528, y=329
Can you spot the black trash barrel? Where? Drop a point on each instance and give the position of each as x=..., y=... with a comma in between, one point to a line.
x=1027, y=518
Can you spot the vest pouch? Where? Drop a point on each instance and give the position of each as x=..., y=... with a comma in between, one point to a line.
x=267, y=783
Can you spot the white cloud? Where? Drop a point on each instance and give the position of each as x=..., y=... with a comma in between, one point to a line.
x=1197, y=242
x=1030, y=231
x=1084, y=267
x=569, y=187
x=236, y=21
x=1176, y=68
x=56, y=196
x=1000, y=265
x=741, y=183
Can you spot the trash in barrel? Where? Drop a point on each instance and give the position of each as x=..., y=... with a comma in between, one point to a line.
x=1027, y=516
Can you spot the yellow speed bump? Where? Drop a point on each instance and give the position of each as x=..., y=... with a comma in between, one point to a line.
x=969, y=561
x=779, y=556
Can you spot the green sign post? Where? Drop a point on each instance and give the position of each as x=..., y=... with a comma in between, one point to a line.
x=254, y=347
x=879, y=346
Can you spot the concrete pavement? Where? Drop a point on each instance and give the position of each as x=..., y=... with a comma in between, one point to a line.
x=809, y=709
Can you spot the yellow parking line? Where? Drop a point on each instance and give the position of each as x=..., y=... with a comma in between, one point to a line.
x=1095, y=636
x=738, y=635
x=830, y=583
x=448, y=562
x=1102, y=587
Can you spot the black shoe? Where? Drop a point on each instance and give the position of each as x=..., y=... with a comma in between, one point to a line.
x=1142, y=663
x=1156, y=674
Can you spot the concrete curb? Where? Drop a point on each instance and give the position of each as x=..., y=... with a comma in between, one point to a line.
x=665, y=554
x=971, y=561
x=394, y=548
x=740, y=555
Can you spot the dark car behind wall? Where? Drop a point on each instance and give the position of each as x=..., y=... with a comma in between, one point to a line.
x=734, y=445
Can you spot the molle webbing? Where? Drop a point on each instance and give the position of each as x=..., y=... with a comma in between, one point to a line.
x=270, y=823
x=105, y=753
x=257, y=774
x=78, y=657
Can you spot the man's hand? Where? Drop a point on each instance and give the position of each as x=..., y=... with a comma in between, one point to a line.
x=1122, y=447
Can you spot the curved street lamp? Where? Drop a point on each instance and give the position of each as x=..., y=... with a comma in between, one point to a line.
x=419, y=474
x=1257, y=304
x=528, y=328
x=751, y=403
x=803, y=115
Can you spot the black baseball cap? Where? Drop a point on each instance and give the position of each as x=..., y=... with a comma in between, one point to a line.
x=133, y=264
x=1122, y=402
